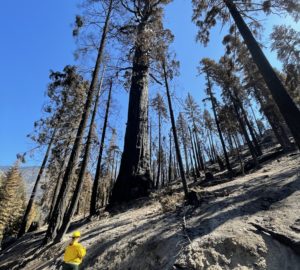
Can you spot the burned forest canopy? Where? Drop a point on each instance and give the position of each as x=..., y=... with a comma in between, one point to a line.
x=243, y=113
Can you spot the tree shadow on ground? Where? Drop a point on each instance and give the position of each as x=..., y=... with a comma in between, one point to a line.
x=258, y=194
x=257, y=197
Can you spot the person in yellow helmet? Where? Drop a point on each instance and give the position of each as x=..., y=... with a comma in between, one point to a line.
x=74, y=253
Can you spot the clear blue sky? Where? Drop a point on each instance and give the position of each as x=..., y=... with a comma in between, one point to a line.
x=36, y=37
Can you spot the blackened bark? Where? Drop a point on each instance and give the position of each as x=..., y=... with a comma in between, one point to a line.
x=179, y=159
x=245, y=133
x=150, y=145
x=237, y=147
x=80, y=181
x=197, y=150
x=196, y=160
x=211, y=148
x=58, y=183
x=286, y=105
x=214, y=107
x=159, y=152
x=201, y=156
x=134, y=179
x=186, y=159
x=193, y=167
x=256, y=122
x=170, y=159
x=37, y=181
x=60, y=205
x=273, y=119
x=93, y=206
x=250, y=128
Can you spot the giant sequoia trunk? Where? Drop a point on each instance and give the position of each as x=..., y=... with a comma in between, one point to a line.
x=93, y=206
x=134, y=178
x=286, y=105
x=60, y=205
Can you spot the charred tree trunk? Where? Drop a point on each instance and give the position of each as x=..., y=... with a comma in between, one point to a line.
x=201, y=157
x=249, y=126
x=245, y=135
x=179, y=159
x=256, y=122
x=211, y=148
x=37, y=181
x=150, y=147
x=273, y=119
x=286, y=105
x=58, y=183
x=60, y=206
x=214, y=107
x=239, y=155
x=170, y=159
x=197, y=150
x=134, y=178
x=94, y=197
x=186, y=158
x=196, y=160
x=193, y=167
x=159, y=152
x=80, y=181
x=236, y=108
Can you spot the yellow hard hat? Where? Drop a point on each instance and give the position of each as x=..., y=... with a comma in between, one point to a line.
x=76, y=234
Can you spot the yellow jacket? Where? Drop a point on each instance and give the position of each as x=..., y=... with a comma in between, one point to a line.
x=74, y=253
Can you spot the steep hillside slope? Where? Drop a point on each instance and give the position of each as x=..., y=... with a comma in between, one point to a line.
x=251, y=222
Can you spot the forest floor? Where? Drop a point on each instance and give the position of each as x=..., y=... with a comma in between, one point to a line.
x=251, y=222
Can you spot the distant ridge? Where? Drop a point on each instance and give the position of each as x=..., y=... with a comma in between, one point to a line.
x=29, y=174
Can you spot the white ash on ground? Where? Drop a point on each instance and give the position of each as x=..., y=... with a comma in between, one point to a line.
x=162, y=233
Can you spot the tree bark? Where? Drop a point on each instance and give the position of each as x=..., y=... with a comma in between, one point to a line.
x=273, y=119
x=58, y=183
x=243, y=129
x=179, y=159
x=250, y=128
x=214, y=107
x=134, y=179
x=256, y=122
x=170, y=159
x=286, y=105
x=239, y=155
x=159, y=152
x=60, y=206
x=80, y=181
x=94, y=197
x=196, y=160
